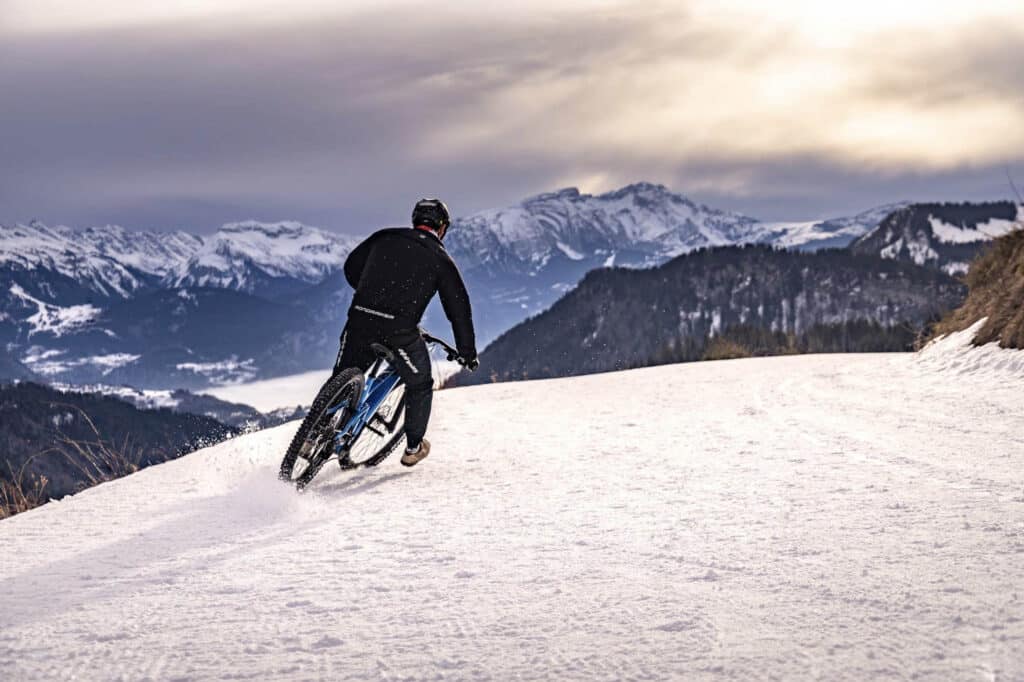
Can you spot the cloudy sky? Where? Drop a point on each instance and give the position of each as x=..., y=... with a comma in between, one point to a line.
x=190, y=113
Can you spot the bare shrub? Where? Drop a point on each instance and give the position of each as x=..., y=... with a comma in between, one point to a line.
x=23, y=492
x=96, y=460
x=720, y=348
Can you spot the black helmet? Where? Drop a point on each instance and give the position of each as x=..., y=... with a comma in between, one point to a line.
x=432, y=213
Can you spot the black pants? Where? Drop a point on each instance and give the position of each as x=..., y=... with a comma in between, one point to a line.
x=412, y=361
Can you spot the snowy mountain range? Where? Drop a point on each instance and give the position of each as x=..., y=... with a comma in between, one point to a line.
x=263, y=259
x=248, y=256
x=521, y=259
x=638, y=225
x=256, y=300
x=161, y=310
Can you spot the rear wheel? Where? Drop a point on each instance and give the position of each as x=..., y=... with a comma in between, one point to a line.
x=381, y=435
x=313, y=443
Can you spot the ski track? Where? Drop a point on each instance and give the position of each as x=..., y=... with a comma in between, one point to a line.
x=831, y=517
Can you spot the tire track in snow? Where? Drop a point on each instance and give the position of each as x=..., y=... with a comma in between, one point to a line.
x=727, y=520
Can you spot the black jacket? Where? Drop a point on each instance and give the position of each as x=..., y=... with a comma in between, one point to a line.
x=396, y=272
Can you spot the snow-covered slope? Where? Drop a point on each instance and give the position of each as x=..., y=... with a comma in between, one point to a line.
x=156, y=253
x=827, y=517
x=106, y=292
x=831, y=233
x=53, y=319
x=944, y=236
x=641, y=223
x=956, y=354
x=110, y=260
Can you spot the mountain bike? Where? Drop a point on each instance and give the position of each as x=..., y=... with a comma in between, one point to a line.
x=357, y=418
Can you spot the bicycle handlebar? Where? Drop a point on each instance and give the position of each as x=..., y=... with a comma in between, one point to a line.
x=453, y=354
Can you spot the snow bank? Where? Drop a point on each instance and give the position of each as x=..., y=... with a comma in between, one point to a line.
x=955, y=354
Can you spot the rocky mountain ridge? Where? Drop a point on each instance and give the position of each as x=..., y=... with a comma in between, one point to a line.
x=256, y=300
x=947, y=236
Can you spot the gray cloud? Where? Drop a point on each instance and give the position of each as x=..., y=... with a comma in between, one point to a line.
x=344, y=121
x=981, y=63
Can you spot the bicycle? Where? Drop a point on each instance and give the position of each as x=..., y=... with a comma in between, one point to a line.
x=356, y=417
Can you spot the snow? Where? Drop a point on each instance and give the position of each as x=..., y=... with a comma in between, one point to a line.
x=112, y=360
x=955, y=234
x=646, y=220
x=283, y=249
x=840, y=517
x=51, y=363
x=108, y=259
x=920, y=252
x=830, y=232
x=954, y=268
x=142, y=398
x=954, y=354
x=228, y=371
x=99, y=257
x=570, y=253
x=644, y=216
x=300, y=389
x=55, y=319
x=155, y=253
x=716, y=322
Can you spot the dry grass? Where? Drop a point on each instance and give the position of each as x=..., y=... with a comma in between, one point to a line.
x=22, y=492
x=95, y=460
x=720, y=348
x=996, y=291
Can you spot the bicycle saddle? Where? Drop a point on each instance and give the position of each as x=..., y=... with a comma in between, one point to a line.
x=382, y=351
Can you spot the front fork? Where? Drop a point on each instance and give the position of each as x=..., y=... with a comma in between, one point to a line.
x=369, y=401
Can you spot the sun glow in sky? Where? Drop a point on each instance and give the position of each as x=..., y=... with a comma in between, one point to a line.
x=231, y=104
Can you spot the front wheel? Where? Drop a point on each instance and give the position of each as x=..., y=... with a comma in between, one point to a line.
x=313, y=443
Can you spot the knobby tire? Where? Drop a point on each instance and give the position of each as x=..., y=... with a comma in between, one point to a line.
x=317, y=429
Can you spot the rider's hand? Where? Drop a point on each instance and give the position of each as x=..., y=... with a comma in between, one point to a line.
x=471, y=363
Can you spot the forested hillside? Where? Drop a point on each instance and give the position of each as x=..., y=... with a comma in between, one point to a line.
x=54, y=443
x=724, y=303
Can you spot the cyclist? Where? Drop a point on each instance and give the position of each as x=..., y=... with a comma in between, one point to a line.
x=395, y=272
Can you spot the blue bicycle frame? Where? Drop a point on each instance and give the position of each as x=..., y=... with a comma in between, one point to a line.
x=380, y=381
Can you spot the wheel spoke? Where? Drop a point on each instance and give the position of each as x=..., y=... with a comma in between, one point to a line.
x=380, y=435
x=313, y=443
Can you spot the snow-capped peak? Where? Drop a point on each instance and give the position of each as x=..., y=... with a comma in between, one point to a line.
x=287, y=249
x=114, y=261
x=640, y=217
x=830, y=232
x=287, y=228
x=108, y=260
